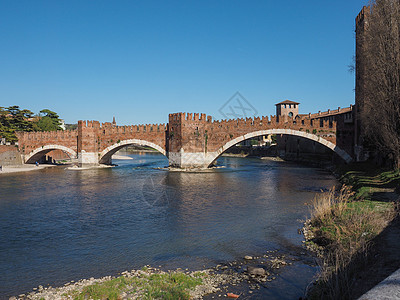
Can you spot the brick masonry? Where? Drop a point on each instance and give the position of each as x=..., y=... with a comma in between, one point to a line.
x=188, y=140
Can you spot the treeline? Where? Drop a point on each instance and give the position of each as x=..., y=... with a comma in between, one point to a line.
x=14, y=119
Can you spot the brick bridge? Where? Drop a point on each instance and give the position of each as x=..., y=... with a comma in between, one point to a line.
x=188, y=140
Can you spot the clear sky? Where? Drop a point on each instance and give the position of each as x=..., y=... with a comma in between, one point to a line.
x=141, y=60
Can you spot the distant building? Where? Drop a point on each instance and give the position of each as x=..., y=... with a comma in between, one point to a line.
x=344, y=118
x=113, y=122
x=62, y=124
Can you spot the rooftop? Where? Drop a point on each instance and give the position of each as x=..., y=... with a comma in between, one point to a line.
x=287, y=102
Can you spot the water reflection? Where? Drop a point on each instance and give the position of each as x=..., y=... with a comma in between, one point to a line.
x=59, y=225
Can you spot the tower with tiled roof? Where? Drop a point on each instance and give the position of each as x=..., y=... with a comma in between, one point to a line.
x=287, y=108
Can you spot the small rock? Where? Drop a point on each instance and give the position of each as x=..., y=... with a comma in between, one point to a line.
x=256, y=271
x=248, y=257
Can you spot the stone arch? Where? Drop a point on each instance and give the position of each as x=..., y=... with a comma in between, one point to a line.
x=105, y=155
x=343, y=154
x=36, y=154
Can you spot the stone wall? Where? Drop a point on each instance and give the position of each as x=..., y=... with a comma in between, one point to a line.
x=9, y=155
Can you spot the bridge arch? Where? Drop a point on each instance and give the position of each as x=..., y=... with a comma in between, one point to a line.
x=343, y=154
x=105, y=155
x=36, y=154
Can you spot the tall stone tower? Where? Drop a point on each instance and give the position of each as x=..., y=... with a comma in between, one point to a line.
x=287, y=109
x=361, y=27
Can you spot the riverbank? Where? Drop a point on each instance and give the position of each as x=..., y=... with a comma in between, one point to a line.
x=148, y=283
x=236, y=279
x=354, y=233
x=23, y=168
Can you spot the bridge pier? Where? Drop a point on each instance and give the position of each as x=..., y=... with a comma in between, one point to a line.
x=88, y=158
x=188, y=160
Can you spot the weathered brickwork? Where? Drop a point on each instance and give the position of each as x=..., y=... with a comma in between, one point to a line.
x=345, y=125
x=92, y=142
x=188, y=140
x=106, y=139
x=33, y=145
x=197, y=140
x=199, y=133
x=361, y=23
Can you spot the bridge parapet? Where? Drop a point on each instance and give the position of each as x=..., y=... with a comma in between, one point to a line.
x=189, y=139
x=31, y=141
x=94, y=138
x=197, y=135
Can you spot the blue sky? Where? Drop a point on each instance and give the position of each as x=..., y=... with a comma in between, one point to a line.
x=141, y=60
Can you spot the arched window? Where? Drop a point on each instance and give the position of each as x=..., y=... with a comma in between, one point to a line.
x=291, y=114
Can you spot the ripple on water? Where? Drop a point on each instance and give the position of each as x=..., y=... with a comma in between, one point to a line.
x=58, y=225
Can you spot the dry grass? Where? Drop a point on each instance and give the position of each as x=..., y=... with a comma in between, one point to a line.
x=343, y=229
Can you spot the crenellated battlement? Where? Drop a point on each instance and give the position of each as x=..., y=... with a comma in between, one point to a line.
x=330, y=112
x=361, y=15
x=185, y=135
x=89, y=124
x=188, y=119
x=109, y=128
x=44, y=134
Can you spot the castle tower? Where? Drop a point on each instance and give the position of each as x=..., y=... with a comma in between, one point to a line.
x=113, y=122
x=361, y=26
x=287, y=108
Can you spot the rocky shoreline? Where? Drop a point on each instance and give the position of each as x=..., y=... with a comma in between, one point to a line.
x=242, y=277
x=210, y=284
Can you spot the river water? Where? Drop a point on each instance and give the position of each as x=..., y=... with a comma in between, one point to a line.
x=58, y=225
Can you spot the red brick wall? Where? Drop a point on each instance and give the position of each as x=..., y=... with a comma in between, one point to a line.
x=94, y=137
x=190, y=132
x=58, y=155
x=198, y=133
x=29, y=141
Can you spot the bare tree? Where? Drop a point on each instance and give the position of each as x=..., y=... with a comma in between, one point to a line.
x=380, y=112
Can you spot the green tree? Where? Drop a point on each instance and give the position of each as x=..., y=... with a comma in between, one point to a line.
x=14, y=119
x=48, y=121
x=45, y=124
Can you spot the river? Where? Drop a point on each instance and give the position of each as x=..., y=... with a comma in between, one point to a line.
x=58, y=225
